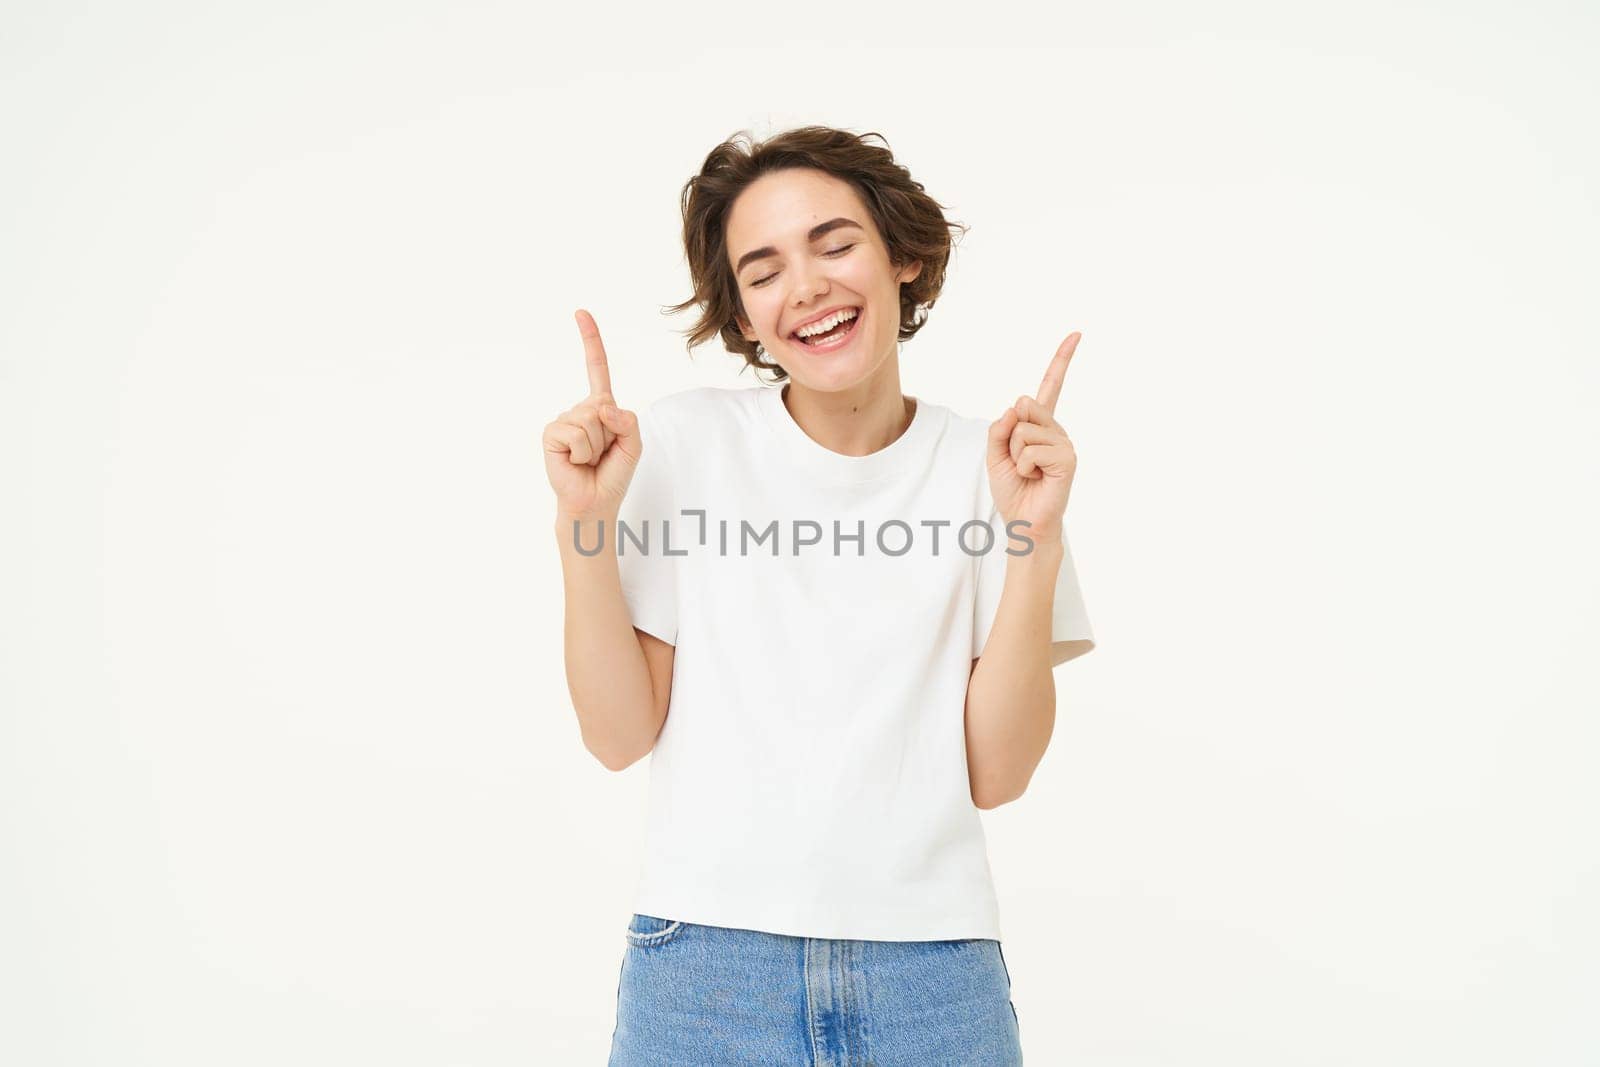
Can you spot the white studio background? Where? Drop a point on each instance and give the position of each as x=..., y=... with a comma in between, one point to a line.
x=288, y=768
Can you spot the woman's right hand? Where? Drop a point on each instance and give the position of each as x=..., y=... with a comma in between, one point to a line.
x=592, y=449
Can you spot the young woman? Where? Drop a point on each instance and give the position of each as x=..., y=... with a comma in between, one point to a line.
x=829, y=611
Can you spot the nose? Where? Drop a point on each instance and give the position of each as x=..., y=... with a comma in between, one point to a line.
x=808, y=285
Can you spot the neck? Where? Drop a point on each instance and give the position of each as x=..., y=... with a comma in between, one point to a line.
x=858, y=421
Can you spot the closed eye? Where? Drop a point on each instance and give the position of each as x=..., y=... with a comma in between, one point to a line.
x=833, y=252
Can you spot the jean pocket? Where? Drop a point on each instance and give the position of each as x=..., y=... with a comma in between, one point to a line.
x=650, y=931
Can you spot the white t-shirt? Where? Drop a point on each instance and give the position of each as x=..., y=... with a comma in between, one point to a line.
x=811, y=776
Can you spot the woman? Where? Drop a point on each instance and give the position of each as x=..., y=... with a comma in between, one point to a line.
x=830, y=615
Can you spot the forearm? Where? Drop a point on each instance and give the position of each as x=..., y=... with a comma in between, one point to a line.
x=1011, y=696
x=606, y=671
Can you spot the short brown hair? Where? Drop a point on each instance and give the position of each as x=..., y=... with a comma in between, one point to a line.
x=911, y=223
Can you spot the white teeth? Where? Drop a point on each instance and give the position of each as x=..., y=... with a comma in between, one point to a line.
x=824, y=325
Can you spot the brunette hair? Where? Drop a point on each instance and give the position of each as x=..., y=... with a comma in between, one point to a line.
x=911, y=223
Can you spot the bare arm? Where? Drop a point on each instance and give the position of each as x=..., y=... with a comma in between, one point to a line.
x=619, y=677
x=1011, y=694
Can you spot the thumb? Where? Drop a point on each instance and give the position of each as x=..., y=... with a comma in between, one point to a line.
x=999, y=449
x=628, y=446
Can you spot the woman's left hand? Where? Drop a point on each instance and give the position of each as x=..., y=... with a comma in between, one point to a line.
x=1031, y=459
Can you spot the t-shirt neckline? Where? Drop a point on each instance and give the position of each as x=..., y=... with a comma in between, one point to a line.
x=898, y=455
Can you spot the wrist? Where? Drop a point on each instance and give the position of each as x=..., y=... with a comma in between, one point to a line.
x=1045, y=553
x=588, y=534
x=565, y=519
x=1042, y=536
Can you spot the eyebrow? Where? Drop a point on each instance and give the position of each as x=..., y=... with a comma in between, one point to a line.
x=816, y=231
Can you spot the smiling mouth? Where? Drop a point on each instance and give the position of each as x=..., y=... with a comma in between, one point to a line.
x=834, y=338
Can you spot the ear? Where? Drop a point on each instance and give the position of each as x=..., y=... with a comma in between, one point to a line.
x=910, y=273
x=744, y=329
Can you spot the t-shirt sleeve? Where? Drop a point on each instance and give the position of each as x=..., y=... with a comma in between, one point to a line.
x=1069, y=620
x=650, y=576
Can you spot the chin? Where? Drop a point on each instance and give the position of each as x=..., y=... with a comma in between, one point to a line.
x=832, y=378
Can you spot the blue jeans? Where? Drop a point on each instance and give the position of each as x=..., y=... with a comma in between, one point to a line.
x=708, y=996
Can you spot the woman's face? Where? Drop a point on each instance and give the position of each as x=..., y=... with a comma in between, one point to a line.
x=788, y=275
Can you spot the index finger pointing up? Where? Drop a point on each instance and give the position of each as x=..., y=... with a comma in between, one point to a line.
x=594, y=354
x=1056, y=373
